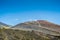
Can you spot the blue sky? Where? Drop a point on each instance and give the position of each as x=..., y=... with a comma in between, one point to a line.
x=13, y=12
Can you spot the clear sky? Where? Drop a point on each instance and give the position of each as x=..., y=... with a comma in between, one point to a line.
x=13, y=12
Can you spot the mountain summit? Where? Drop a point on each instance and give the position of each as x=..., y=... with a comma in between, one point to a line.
x=39, y=25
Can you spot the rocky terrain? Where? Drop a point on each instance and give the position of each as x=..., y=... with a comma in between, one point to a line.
x=10, y=34
x=31, y=30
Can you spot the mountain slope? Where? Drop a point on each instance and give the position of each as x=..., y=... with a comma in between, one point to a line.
x=41, y=26
x=10, y=34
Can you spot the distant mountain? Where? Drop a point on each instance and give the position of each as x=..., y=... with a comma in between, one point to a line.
x=3, y=25
x=39, y=25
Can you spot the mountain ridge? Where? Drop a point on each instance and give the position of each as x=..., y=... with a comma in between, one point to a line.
x=3, y=24
x=32, y=30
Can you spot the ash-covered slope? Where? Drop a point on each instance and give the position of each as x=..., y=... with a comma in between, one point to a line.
x=39, y=25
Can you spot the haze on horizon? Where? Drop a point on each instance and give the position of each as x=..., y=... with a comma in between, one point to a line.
x=13, y=12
